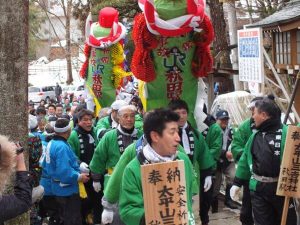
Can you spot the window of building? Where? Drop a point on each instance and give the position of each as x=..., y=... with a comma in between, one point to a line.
x=283, y=48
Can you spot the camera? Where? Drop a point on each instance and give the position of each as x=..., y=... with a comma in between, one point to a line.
x=19, y=149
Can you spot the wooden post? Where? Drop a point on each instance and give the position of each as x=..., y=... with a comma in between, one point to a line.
x=210, y=93
x=289, y=182
x=285, y=210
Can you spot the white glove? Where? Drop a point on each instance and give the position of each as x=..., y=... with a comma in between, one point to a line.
x=97, y=186
x=84, y=168
x=107, y=216
x=37, y=193
x=235, y=192
x=207, y=183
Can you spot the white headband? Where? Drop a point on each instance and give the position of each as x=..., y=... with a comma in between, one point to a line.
x=62, y=129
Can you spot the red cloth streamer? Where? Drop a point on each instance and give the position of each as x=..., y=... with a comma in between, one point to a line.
x=142, y=63
x=84, y=69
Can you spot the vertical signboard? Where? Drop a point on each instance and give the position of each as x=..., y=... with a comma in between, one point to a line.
x=164, y=191
x=289, y=178
x=250, y=44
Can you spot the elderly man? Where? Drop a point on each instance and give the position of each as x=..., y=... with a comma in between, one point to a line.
x=105, y=124
x=113, y=144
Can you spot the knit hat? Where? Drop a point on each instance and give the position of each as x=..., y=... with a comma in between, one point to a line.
x=32, y=122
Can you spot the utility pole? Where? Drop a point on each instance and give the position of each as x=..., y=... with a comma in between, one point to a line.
x=229, y=7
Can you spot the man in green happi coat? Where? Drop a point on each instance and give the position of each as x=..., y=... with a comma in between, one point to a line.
x=113, y=144
x=260, y=164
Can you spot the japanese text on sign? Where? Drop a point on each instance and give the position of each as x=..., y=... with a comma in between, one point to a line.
x=288, y=184
x=250, y=55
x=164, y=193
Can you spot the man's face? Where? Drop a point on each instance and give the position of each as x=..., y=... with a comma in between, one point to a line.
x=223, y=123
x=86, y=123
x=51, y=111
x=67, y=101
x=168, y=142
x=259, y=117
x=59, y=111
x=126, y=118
x=183, y=116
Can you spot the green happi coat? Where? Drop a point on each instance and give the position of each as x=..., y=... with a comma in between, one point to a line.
x=107, y=153
x=105, y=124
x=112, y=192
x=240, y=139
x=214, y=140
x=139, y=122
x=203, y=161
x=244, y=170
x=73, y=140
x=131, y=196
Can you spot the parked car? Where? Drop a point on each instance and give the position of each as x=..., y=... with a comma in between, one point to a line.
x=76, y=90
x=36, y=94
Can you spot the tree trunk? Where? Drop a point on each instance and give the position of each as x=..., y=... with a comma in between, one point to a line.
x=14, y=75
x=220, y=42
x=68, y=43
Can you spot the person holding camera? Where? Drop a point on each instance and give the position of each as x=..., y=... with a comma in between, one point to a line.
x=11, y=157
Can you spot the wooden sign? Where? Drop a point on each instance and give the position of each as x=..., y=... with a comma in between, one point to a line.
x=289, y=178
x=164, y=190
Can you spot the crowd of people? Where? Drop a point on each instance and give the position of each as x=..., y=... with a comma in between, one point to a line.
x=89, y=167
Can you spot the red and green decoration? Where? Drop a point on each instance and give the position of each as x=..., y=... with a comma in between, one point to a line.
x=172, y=50
x=103, y=68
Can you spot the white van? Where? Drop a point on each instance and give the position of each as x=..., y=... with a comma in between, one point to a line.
x=76, y=90
x=36, y=94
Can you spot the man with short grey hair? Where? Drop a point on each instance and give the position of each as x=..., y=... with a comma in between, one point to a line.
x=112, y=145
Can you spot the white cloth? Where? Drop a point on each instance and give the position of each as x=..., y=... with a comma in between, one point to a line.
x=235, y=192
x=207, y=183
x=32, y=122
x=91, y=139
x=185, y=139
x=153, y=157
x=107, y=216
x=97, y=186
x=84, y=168
x=225, y=138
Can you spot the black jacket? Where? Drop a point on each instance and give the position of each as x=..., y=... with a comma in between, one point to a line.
x=13, y=205
x=265, y=161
